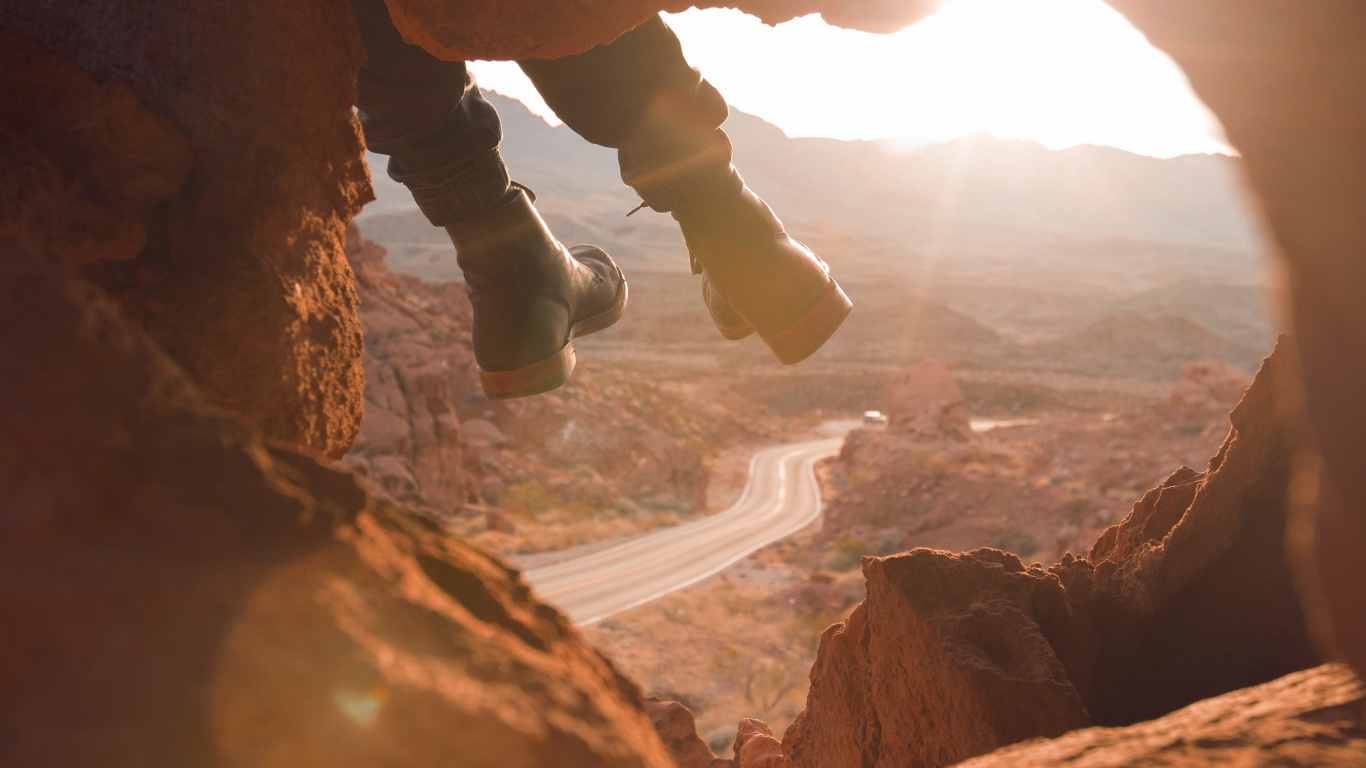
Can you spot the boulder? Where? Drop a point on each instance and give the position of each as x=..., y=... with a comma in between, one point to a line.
x=677, y=728
x=1313, y=717
x=1209, y=385
x=176, y=592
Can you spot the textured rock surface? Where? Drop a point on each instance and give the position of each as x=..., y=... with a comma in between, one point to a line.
x=545, y=29
x=1209, y=385
x=1309, y=718
x=1192, y=591
x=949, y=656
x=1285, y=80
x=1190, y=596
x=176, y=593
x=242, y=279
x=418, y=366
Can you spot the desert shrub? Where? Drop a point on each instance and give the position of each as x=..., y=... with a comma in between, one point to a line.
x=936, y=465
x=529, y=497
x=1027, y=545
x=847, y=555
x=1075, y=510
x=580, y=510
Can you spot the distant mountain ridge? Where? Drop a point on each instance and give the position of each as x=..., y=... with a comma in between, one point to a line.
x=972, y=192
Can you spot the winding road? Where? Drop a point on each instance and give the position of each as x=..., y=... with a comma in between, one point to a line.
x=781, y=497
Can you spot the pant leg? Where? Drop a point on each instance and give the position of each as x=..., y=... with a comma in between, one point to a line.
x=638, y=95
x=429, y=117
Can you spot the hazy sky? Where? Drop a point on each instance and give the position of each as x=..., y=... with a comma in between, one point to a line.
x=1060, y=72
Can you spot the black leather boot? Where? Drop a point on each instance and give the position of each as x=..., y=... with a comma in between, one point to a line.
x=757, y=278
x=531, y=297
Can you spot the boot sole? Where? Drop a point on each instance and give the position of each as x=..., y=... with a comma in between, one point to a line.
x=552, y=372
x=809, y=333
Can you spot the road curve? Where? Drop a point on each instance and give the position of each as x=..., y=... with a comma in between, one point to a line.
x=781, y=497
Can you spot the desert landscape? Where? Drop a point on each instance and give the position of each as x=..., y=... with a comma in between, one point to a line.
x=257, y=511
x=1043, y=359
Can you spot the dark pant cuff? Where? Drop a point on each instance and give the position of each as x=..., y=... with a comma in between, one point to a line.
x=459, y=191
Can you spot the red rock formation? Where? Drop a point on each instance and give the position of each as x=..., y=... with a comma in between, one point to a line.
x=1307, y=718
x=1285, y=80
x=83, y=160
x=430, y=438
x=418, y=368
x=1192, y=591
x=177, y=593
x=929, y=404
x=678, y=730
x=242, y=278
x=1209, y=385
x=949, y=656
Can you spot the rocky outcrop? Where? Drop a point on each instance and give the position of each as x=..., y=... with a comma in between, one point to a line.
x=949, y=656
x=430, y=438
x=239, y=275
x=1285, y=84
x=418, y=369
x=1312, y=717
x=1209, y=385
x=176, y=592
x=678, y=730
x=1192, y=591
x=954, y=655
x=928, y=403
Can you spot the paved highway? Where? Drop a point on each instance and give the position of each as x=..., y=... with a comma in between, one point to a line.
x=781, y=497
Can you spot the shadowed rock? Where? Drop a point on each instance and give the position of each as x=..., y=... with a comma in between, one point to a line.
x=176, y=592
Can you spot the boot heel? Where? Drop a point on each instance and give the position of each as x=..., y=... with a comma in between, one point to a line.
x=796, y=342
x=528, y=380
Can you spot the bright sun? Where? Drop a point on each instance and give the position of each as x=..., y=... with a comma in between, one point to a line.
x=1060, y=72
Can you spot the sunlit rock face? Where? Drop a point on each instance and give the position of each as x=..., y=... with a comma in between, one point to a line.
x=1306, y=718
x=546, y=29
x=240, y=276
x=1190, y=596
x=176, y=593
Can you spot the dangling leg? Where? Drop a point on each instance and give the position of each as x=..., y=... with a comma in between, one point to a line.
x=639, y=96
x=530, y=294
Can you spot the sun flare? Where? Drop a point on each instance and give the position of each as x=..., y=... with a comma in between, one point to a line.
x=1059, y=72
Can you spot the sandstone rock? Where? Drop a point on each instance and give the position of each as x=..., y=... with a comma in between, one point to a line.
x=678, y=730
x=1306, y=718
x=544, y=29
x=80, y=160
x=755, y=746
x=418, y=367
x=929, y=403
x=1285, y=83
x=177, y=593
x=242, y=279
x=949, y=656
x=1192, y=592
x=1209, y=385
